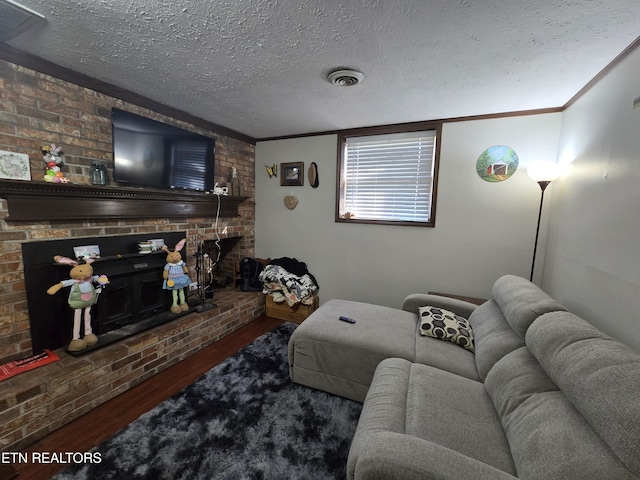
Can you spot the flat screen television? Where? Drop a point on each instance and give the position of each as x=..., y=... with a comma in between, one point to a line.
x=149, y=153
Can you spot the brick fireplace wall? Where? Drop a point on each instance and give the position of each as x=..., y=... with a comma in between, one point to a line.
x=38, y=109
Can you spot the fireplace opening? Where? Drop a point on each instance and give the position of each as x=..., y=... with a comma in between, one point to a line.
x=133, y=300
x=223, y=256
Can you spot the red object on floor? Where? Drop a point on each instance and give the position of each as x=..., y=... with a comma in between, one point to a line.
x=15, y=367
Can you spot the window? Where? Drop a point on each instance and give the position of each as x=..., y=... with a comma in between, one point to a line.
x=388, y=178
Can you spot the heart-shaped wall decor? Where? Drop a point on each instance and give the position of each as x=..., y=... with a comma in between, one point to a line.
x=291, y=201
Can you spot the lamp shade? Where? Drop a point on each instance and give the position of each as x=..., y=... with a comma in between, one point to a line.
x=544, y=171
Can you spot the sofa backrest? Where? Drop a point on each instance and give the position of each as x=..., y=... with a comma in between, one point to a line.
x=522, y=302
x=499, y=325
x=547, y=436
x=598, y=375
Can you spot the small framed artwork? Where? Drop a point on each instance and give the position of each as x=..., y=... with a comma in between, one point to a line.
x=14, y=166
x=292, y=174
x=84, y=252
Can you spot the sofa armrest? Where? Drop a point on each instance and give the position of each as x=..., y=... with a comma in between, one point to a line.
x=459, y=307
x=389, y=456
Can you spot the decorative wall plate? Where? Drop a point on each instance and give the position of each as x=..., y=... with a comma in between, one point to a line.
x=314, y=180
x=497, y=163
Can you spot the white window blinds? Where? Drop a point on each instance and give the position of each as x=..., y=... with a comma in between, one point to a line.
x=388, y=178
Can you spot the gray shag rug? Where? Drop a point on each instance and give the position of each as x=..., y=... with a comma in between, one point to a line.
x=244, y=419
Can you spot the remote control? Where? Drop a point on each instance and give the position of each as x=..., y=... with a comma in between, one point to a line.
x=347, y=319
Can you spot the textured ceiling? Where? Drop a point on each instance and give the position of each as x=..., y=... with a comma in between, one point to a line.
x=259, y=66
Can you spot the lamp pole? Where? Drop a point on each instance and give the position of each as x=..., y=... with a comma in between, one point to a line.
x=543, y=173
x=543, y=185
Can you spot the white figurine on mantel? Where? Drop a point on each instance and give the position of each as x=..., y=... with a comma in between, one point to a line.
x=235, y=183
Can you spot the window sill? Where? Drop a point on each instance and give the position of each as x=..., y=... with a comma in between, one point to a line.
x=384, y=222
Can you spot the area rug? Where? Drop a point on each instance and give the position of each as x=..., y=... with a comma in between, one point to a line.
x=244, y=419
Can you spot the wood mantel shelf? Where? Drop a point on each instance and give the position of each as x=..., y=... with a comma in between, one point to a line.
x=38, y=201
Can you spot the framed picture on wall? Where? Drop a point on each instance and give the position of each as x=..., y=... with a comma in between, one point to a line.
x=14, y=166
x=84, y=252
x=292, y=174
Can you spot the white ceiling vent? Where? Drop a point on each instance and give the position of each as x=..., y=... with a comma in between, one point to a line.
x=345, y=77
x=15, y=19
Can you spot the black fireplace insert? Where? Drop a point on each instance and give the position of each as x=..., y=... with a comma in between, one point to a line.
x=133, y=300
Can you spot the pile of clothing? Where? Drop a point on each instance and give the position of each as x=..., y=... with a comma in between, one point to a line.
x=288, y=280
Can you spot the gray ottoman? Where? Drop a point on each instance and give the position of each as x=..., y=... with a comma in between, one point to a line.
x=341, y=358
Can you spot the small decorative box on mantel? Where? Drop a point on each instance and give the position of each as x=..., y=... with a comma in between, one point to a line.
x=295, y=314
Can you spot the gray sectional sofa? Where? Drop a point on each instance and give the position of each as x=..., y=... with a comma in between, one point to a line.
x=545, y=395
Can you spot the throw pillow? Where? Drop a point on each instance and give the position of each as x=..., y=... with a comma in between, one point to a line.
x=445, y=325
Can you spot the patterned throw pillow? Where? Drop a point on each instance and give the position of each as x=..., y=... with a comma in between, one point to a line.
x=445, y=325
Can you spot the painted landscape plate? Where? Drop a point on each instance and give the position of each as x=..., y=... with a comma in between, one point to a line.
x=497, y=163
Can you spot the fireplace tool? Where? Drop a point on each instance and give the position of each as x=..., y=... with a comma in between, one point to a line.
x=204, y=288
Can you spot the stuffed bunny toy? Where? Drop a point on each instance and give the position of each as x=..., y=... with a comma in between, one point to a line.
x=176, y=278
x=83, y=295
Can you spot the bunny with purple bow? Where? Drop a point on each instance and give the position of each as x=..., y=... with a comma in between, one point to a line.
x=83, y=296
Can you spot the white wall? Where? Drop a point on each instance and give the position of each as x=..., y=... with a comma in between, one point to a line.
x=483, y=230
x=593, y=259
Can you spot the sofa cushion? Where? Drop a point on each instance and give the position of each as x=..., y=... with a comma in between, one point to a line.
x=339, y=357
x=499, y=325
x=445, y=356
x=522, y=302
x=514, y=379
x=394, y=456
x=456, y=413
x=492, y=335
x=443, y=324
x=548, y=437
x=597, y=374
x=435, y=407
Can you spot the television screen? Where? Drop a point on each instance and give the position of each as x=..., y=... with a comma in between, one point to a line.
x=153, y=154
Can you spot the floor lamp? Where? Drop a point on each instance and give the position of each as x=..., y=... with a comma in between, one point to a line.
x=543, y=173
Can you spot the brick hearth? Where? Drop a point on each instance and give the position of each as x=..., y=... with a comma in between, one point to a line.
x=37, y=402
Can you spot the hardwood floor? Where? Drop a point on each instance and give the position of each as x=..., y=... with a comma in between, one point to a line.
x=89, y=430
